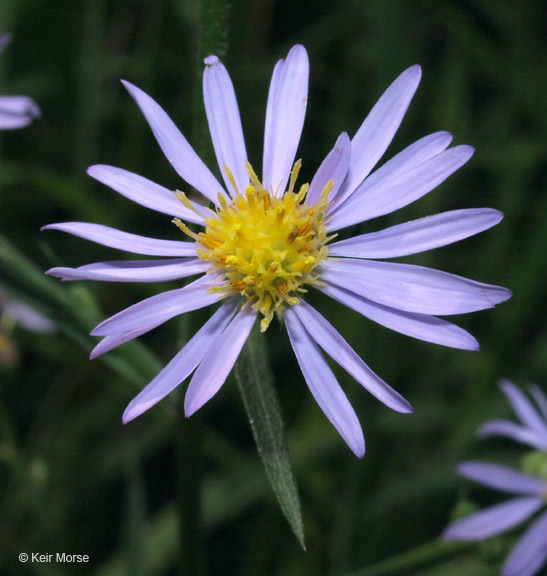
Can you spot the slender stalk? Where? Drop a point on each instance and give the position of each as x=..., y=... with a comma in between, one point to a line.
x=256, y=384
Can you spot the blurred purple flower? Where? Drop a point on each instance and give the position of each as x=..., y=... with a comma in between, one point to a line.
x=265, y=243
x=16, y=111
x=14, y=312
x=530, y=487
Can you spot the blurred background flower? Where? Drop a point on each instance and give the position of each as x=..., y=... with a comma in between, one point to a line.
x=15, y=313
x=15, y=111
x=529, y=485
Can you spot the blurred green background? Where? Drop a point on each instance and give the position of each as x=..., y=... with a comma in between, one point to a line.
x=72, y=478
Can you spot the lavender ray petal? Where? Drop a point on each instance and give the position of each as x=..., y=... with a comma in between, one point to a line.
x=418, y=235
x=530, y=552
x=183, y=364
x=385, y=195
x=144, y=192
x=421, y=326
x=493, y=520
x=412, y=156
x=524, y=409
x=30, y=319
x=225, y=123
x=124, y=240
x=160, y=308
x=323, y=384
x=17, y=112
x=218, y=361
x=334, y=167
x=180, y=154
x=412, y=288
x=134, y=270
x=377, y=131
x=503, y=478
x=110, y=342
x=514, y=431
x=285, y=112
x=331, y=341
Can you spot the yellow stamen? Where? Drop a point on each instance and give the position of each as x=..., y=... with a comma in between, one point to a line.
x=231, y=179
x=266, y=246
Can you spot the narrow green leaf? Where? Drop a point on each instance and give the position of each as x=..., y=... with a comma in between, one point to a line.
x=255, y=382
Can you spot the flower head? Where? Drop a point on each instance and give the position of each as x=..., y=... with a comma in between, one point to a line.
x=265, y=242
x=16, y=111
x=529, y=486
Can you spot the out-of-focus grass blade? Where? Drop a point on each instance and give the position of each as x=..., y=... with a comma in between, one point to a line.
x=73, y=311
x=135, y=524
x=255, y=382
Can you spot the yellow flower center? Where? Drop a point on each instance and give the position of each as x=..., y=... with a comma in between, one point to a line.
x=266, y=246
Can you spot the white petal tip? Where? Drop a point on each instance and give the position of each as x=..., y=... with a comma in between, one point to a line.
x=502, y=295
x=131, y=88
x=189, y=409
x=211, y=60
x=343, y=141
x=466, y=151
x=407, y=409
x=359, y=452
x=93, y=170
x=135, y=410
x=127, y=417
x=415, y=69
x=498, y=215
x=56, y=273
x=298, y=49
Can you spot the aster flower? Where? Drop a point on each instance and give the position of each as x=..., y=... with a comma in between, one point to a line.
x=16, y=111
x=14, y=312
x=264, y=243
x=529, y=486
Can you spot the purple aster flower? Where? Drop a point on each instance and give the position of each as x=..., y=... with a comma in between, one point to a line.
x=16, y=111
x=529, y=486
x=264, y=243
x=13, y=311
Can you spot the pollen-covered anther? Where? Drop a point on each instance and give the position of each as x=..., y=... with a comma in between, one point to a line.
x=266, y=245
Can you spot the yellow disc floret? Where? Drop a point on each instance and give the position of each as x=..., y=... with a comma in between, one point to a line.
x=266, y=246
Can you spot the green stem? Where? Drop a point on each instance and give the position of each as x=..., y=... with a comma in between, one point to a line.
x=256, y=384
